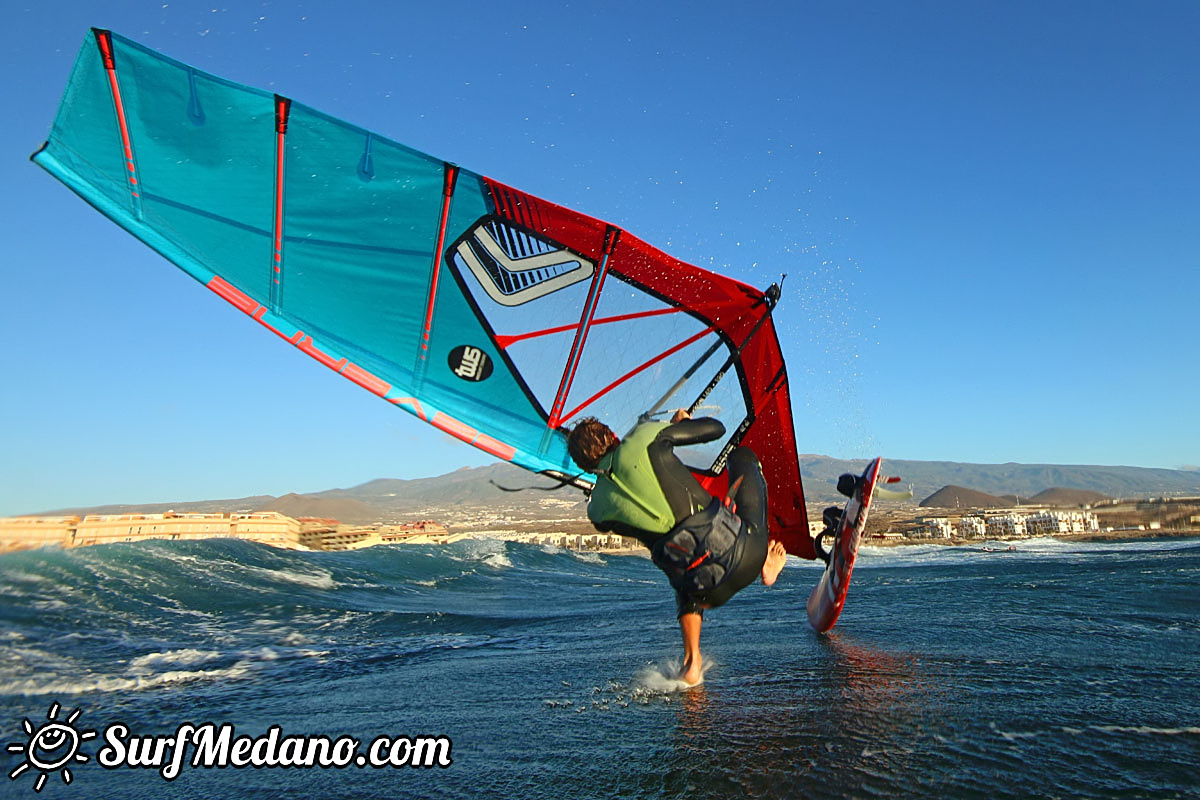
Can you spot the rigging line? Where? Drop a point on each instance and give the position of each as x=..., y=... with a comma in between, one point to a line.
x=688, y=341
x=705, y=356
x=505, y=340
x=568, y=480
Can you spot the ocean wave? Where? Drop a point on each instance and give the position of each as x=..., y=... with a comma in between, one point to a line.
x=319, y=579
x=185, y=657
x=498, y=560
x=589, y=557
x=90, y=684
x=1146, y=730
x=38, y=672
x=1038, y=548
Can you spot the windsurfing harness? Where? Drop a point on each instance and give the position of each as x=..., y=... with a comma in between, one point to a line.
x=491, y=314
x=711, y=555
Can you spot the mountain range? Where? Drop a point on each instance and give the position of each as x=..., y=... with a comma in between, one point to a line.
x=465, y=489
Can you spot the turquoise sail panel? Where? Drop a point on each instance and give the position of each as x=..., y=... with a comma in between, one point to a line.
x=320, y=230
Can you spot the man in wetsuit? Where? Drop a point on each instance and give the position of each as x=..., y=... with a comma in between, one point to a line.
x=643, y=490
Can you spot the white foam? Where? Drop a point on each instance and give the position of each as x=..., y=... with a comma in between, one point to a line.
x=1147, y=729
x=140, y=674
x=318, y=580
x=26, y=577
x=185, y=658
x=907, y=555
x=293, y=638
x=663, y=678
x=117, y=683
x=498, y=560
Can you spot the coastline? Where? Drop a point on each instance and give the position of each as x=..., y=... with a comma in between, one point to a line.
x=1091, y=536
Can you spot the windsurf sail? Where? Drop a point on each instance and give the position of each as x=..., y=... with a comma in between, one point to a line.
x=493, y=315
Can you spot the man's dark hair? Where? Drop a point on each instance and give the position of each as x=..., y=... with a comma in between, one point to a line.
x=589, y=441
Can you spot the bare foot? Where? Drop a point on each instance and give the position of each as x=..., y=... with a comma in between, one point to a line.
x=776, y=558
x=692, y=674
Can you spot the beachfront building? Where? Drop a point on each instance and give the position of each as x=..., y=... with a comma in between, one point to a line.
x=425, y=531
x=335, y=537
x=328, y=535
x=575, y=541
x=268, y=527
x=939, y=527
x=1049, y=523
x=19, y=533
x=1005, y=526
x=113, y=528
x=972, y=528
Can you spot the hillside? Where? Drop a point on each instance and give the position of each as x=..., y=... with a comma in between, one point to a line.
x=1067, y=498
x=460, y=492
x=1022, y=480
x=964, y=498
x=344, y=510
x=468, y=486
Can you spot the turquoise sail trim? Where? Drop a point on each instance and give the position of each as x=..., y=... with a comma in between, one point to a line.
x=358, y=226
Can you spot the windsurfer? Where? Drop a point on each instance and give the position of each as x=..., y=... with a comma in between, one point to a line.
x=644, y=491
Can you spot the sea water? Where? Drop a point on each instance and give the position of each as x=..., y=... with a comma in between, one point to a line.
x=1060, y=669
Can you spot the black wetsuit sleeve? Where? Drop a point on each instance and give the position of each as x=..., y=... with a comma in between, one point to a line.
x=683, y=492
x=692, y=431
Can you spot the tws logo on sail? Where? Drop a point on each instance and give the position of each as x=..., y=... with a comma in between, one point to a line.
x=515, y=266
x=470, y=363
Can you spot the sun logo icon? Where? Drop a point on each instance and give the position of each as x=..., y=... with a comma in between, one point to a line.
x=52, y=746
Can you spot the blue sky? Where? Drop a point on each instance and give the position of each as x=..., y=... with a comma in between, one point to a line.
x=989, y=214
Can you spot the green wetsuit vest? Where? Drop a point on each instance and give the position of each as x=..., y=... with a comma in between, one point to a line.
x=627, y=489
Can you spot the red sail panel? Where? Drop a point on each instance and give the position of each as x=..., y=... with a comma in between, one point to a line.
x=731, y=308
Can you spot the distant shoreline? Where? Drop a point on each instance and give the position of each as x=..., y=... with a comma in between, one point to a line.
x=1091, y=536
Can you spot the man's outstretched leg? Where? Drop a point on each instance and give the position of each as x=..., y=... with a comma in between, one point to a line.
x=689, y=625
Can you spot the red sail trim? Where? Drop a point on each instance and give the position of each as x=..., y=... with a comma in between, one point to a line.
x=366, y=380
x=306, y=346
x=632, y=373
x=714, y=300
x=283, y=108
x=450, y=178
x=413, y=404
x=495, y=447
x=231, y=294
x=348, y=369
x=582, y=234
x=107, y=55
x=460, y=430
